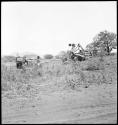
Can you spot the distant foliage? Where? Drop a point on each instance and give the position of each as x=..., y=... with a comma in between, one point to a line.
x=8, y=59
x=61, y=55
x=48, y=56
x=57, y=57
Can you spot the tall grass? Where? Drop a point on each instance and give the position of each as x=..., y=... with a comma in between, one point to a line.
x=17, y=80
x=70, y=75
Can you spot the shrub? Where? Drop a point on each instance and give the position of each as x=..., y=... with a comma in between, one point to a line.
x=92, y=66
x=48, y=56
x=57, y=57
x=8, y=59
x=95, y=64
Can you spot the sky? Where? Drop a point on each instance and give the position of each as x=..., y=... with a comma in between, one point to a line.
x=48, y=27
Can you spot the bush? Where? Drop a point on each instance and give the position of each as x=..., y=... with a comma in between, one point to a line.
x=48, y=56
x=63, y=55
x=95, y=64
x=92, y=66
x=57, y=57
x=8, y=59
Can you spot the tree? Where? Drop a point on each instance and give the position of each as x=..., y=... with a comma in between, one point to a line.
x=104, y=40
x=114, y=45
x=90, y=47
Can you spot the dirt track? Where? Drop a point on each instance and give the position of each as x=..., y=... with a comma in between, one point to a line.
x=96, y=104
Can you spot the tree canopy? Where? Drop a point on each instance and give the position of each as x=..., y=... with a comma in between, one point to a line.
x=104, y=40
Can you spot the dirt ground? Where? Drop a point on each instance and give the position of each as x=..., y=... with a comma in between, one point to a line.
x=96, y=104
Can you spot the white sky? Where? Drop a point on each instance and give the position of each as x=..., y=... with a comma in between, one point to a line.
x=48, y=27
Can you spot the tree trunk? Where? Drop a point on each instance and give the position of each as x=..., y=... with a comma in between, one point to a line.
x=108, y=48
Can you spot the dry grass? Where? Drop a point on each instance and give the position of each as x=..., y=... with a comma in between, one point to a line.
x=70, y=76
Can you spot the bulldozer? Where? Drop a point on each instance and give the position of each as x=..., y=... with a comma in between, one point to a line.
x=77, y=52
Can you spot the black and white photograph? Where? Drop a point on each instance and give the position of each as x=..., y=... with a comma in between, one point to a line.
x=59, y=62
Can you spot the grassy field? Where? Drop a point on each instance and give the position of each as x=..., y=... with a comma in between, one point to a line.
x=54, y=76
x=70, y=75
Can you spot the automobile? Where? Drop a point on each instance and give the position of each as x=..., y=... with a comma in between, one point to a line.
x=20, y=61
